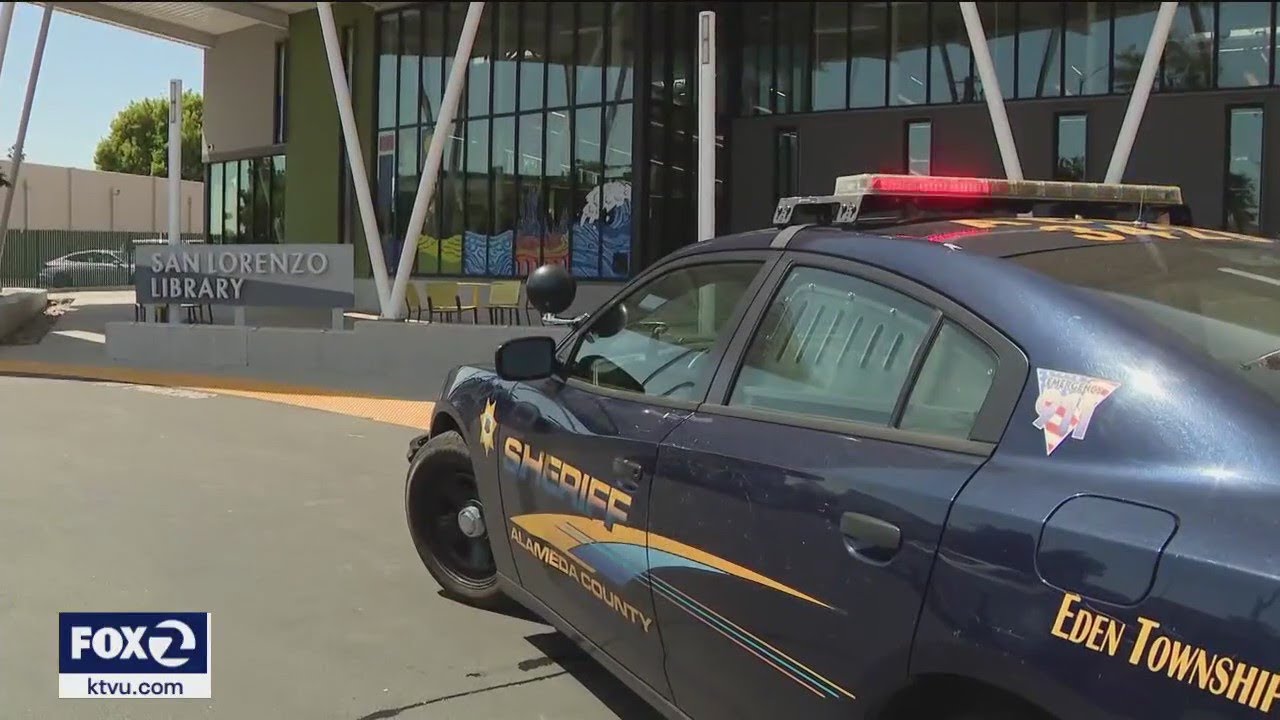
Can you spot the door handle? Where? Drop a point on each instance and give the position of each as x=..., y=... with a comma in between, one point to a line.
x=870, y=537
x=629, y=473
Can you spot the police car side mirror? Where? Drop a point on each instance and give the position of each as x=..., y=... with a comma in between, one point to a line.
x=551, y=289
x=526, y=358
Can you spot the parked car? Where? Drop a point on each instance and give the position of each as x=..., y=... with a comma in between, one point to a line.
x=87, y=268
x=956, y=449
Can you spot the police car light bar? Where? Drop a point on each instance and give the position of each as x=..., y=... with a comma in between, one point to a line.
x=855, y=195
x=964, y=187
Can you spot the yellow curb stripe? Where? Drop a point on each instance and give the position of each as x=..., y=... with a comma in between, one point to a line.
x=407, y=413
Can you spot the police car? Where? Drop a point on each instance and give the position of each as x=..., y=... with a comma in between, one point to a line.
x=930, y=449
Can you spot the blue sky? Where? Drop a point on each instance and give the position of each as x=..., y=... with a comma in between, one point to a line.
x=91, y=70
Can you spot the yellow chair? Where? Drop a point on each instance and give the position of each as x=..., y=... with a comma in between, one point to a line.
x=412, y=302
x=443, y=300
x=504, y=301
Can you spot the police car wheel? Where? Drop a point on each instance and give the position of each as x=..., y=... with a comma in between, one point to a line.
x=446, y=521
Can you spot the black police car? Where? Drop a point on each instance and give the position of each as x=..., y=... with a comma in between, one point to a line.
x=957, y=449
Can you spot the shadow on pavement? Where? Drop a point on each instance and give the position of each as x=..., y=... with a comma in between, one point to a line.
x=510, y=608
x=558, y=649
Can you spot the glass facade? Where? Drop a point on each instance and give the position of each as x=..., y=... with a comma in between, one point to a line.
x=907, y=53
x=538, y=166
x=919, y=147
x=1071, y=147
x=1242, y=206
x=245, y=200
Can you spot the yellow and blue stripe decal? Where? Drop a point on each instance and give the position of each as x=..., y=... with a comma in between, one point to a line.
x=622, y=554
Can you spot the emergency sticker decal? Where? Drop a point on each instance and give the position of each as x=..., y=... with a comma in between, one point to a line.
x=1066, y=404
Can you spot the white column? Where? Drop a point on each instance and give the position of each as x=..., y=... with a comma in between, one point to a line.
x=6, y=21
x=435, y=156
x=23, y=121
x=175, y=178
x=1141, y=91
x=706, y=125
x=991, y=88
x=355, y=156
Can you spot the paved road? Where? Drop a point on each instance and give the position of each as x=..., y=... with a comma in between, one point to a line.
x=285, y=523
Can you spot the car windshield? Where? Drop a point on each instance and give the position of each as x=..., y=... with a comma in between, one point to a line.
x=1224, y=297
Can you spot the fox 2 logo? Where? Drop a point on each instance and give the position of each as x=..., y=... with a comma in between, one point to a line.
x=133, y=643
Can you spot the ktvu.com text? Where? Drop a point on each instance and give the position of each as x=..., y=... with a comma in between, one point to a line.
x=134, y=655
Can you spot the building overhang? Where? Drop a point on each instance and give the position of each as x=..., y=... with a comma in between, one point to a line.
x=193, y=23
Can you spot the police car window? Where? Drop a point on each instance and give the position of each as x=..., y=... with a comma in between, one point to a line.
x=952, y=385
x=833, y=346
x=656, y=340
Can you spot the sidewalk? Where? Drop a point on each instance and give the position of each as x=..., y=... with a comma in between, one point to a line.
x=75, y=347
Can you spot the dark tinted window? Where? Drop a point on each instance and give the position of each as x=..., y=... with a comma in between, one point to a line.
x=1222, y=296
x=952, y=385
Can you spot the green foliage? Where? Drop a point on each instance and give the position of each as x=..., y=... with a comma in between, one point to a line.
x=138, y=142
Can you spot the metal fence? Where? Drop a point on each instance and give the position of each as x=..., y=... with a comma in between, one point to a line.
x=57, y=259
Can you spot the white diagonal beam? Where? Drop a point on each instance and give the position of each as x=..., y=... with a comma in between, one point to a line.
x=136, y=21
x=6, y=21
x=1141, y=92
x=435, y=154
x=991, y=88
x=24, y=119
x=355, y=156
x=255, y=12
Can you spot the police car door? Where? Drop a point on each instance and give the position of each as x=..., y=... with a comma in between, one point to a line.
x=796, y=515
x=578, y=449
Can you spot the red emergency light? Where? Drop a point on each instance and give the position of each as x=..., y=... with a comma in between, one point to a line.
x=926, y=185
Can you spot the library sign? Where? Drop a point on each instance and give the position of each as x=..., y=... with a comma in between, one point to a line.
x=254, y=275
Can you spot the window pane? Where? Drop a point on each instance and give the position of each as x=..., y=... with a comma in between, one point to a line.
x=793, y=59
x=908, y=53
x=677, y=316
x=1039, y=50
x=1244, y=44
x=504, y=57
x=786, y=163
x=408, y=164
x=532, y=210
x=475, y=240
x=244, y=226
x=1135, y=22
x=950, y=77
x=1188, y=56
x=261, y=170
x=410, y=65
x=833, y=346
x=868, y=48
x=831, y=56
x=998, y=23
x=504, y=196
x=591, y=53
x=1088, y=48
x=555, y=247
x=919, y=147
x=757, y=58
x=451, y=210
x=214, y=221
x=615, y=203
x=433, y=56
x=231, y=203
x=587, y=172
x=388, y=41
x=277, y=198
x=618, y=76
x=1072, y=144
x=560, y=54
x=1244, y=171
x=533, y=40
x=479, y=71
x=952, y=385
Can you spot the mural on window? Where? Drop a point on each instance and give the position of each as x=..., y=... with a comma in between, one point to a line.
x=906, y=53
x=246, y=200
x=538, y=166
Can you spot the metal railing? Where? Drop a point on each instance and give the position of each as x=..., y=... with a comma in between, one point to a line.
x=64, y=259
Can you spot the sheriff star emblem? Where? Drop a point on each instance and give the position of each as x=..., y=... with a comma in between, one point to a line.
x=488, y=427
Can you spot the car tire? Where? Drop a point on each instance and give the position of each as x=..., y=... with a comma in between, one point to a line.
x=440, y=484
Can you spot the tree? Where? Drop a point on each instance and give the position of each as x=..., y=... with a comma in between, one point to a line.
x=138, y=142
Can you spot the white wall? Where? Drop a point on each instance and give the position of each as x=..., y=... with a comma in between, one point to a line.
x=48, y=197
x=239, y=91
